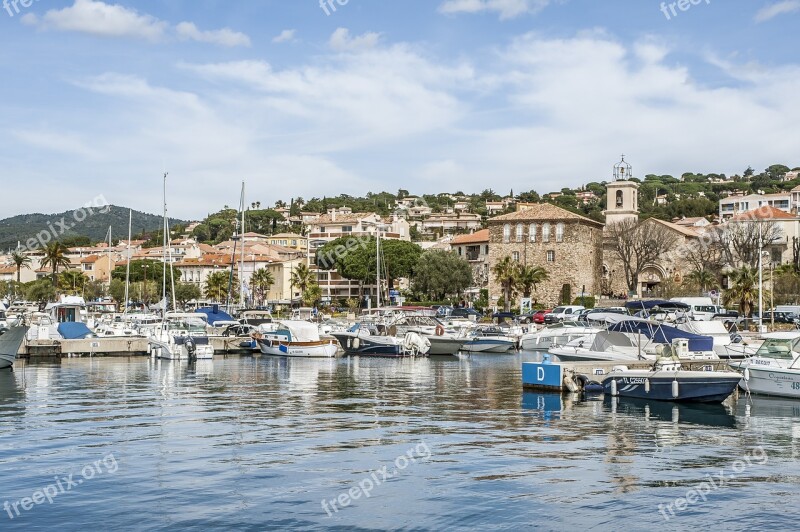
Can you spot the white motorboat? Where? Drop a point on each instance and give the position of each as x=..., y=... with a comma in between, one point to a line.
x=558, y=334
x=489, y=339
x=10, y=343
x=294, y=338
x=775, y=367
x=181, y=336
x=726, y=344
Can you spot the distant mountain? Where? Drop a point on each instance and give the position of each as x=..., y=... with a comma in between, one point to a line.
x=88, y=223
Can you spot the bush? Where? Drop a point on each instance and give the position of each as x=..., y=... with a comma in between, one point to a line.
x=588, y=302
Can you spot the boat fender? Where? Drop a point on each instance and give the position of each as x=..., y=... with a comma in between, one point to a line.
x=593, y=387
x=570, y=384
x=439, y=330
x=356, y=343
x=149, y=349
x=647, y=386
x=675, y=389
x=614, y=391
x=746, y=374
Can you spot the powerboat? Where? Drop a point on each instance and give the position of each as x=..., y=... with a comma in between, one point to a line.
x=668, y=381
x=558, y=334
x=293, y=338
x=366, y=340
x=489, y=339
x=181, y=336
x=775, y=368
x=726, y=344
x=10, y=343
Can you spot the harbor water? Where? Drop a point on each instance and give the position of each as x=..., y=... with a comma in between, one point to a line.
x=262, y=443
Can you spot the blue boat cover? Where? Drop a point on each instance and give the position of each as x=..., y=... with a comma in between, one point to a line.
x=664, y=334
x=215, y=315
x=74, y=331
x=660, y=303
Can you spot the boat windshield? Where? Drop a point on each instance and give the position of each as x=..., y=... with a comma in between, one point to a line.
x=782, y=348
x=188, y=325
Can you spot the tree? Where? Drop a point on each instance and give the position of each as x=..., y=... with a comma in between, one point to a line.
x=639, y=244
x=743, y=291
x=20, y=260
x=312, y=294
x=505, y=273
x=150, y=270
x=72, y=281
x=529, y=277
x=41, y=291
x=261, y=281
x=55, y=257
x=707, y=256
x=117, y=292
x=703, y=278
x=746, y=238
x=186, y=292
x=440, y=273
x=302, y=277
x=217, y=286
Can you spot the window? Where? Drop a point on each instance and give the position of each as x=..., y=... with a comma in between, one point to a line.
x=515, y=256
x=507, y=233
x=619, y=199
x=560, y=233
x=551, y=256
x=321, y=229
x=486, y=250
x=347, y=229
x=532, y=232
x=546, y=232
x=459, y=251
x=520, y=232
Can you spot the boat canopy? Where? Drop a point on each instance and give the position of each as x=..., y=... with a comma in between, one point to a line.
x=663, y=334
x=74, y=330
x=302, y=331
x=215, y=315
x=660, y=303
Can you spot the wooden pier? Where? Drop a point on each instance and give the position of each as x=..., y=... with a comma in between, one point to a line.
x=115, y=347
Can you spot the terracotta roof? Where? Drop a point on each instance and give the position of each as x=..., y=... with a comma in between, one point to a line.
x=90, y=259
x=688, y=221
x=685, y=231
x=478, y=237
x=8, y=269
x=543, y=212
x=765, y=212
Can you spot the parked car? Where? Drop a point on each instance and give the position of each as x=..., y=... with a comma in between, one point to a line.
x=558, y=314
x=466, y=313
x=780, y=317
x=537, y=316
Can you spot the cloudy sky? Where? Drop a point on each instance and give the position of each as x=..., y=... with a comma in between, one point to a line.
x=427, y=95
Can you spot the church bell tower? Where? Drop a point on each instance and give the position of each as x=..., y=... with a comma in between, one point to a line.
x=622, y=198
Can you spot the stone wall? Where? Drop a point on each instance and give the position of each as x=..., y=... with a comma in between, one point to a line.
x=578, y=259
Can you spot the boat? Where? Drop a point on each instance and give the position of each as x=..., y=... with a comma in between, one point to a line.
x=365, y=340
x=10, y=343
x=181, y=336
x=557, y=334
x=443, y=341
x=489, y=339
x=775, y=367
x=293, y=338
x=779, y=350
x=726, y=344
x=638, y=339
x=668, y=381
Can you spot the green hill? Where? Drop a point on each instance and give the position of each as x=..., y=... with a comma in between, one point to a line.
x=77, y=227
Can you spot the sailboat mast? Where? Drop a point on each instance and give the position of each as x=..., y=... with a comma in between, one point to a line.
x=128, y=262
x=241, y=263
x=164, y=249
x=378, y=263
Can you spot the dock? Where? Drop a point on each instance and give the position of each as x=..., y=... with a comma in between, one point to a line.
x=115, y=347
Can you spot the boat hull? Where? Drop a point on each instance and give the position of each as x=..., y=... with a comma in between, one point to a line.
x=444, y=346
x=778, y=382
x=355, y=345
x=320, y=349
x=488, y=346
x=10, y=343
x=693, y=386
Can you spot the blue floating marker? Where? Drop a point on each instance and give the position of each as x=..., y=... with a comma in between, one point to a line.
x=542, y=376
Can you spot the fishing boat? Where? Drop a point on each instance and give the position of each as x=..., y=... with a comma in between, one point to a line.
x=489, y=339
x=292, y=338
x=668, y=381
x=10, y=343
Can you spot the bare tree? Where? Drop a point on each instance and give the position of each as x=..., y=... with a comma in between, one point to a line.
x=638, y=244
x=744, y=239
x=707, y=254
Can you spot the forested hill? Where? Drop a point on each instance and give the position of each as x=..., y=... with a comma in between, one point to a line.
x=78, y=227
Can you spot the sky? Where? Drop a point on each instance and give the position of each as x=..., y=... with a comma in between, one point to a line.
x=299, y=99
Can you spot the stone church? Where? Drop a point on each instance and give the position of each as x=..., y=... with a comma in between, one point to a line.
x=576, y=250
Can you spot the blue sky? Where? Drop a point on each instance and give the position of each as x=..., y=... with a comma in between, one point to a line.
x=430, y=96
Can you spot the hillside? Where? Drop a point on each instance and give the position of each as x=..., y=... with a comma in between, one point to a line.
x=80, y=227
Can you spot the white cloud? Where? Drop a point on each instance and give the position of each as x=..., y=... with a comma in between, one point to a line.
x=284, y=36
x=341, y=41
x=780, y=8
x=223, y=37
x=105, y=20
x=505, y=8
x=112, y=20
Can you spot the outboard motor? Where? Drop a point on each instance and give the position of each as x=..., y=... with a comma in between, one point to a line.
x=191, y=348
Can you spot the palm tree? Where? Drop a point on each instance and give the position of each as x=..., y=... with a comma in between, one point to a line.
x=743, y=290
x=55, y=257
x=20, y=261
x=529, y=277
x=261, y=282
x=704, y=279
x=217, y=286
x=72, y=281
x=301, y=277
x=505, y=273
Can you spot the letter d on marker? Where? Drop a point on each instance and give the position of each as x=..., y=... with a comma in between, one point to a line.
x=540, y=374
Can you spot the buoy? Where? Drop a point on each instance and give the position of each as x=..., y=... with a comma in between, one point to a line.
x=614, y=387
x=647, y=386
x=439, y=330
x=747, y=374
x=675, y=389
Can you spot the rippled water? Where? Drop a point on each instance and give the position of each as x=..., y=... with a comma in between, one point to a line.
x=257, y=443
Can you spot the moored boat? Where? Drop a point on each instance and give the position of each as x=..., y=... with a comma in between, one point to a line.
x=10, y=343
x=490, y=339
x=293, y=338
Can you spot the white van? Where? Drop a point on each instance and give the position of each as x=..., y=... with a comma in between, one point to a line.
x=566, y=312
x=701, y=308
